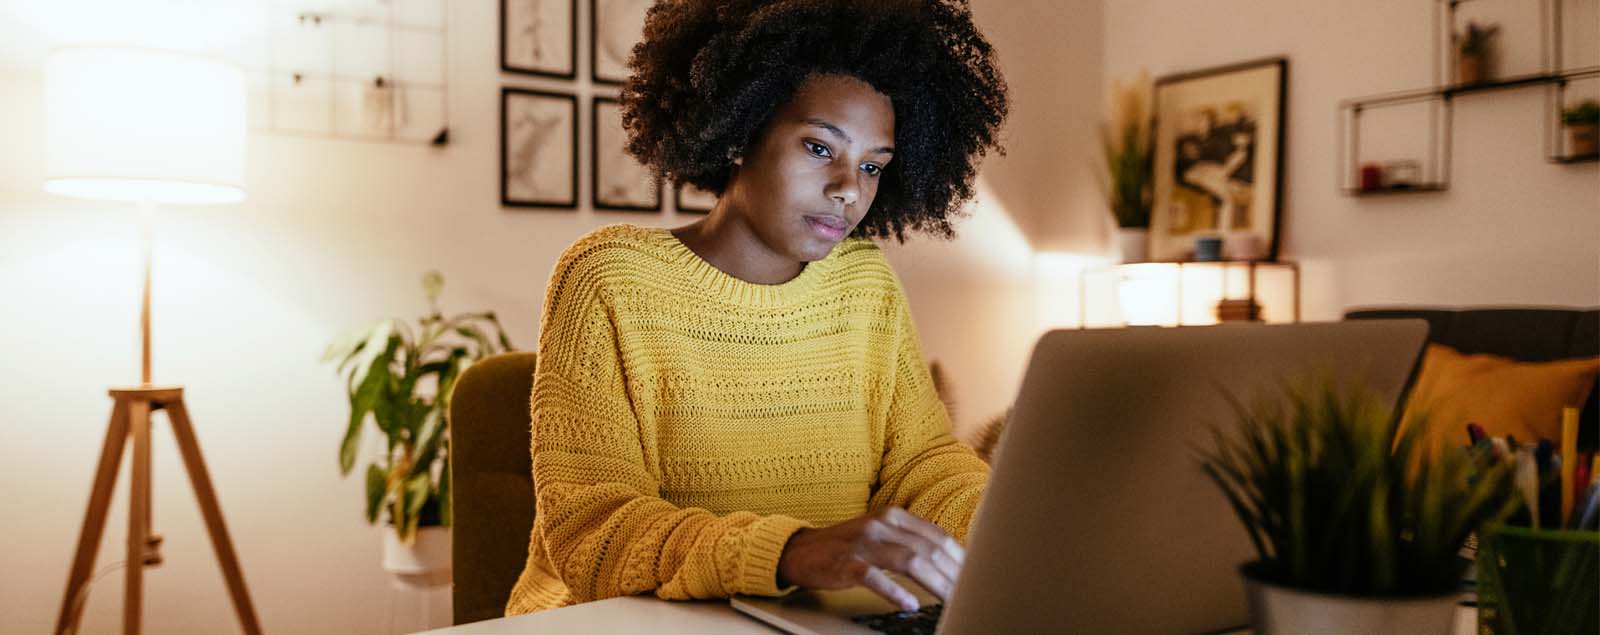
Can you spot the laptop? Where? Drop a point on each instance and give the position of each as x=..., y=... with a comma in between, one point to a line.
x=1097, y=518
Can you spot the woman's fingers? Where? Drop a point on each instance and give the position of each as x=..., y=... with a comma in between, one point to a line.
x=907, y=552
x=880, y=583
x=930, y=531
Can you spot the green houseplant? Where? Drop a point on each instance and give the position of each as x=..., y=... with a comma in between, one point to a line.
x=400, y=377
x=1583, y=127
x=1125, y=141
x=1353, y=523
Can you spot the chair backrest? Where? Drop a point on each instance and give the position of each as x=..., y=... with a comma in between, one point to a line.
x=491, y=482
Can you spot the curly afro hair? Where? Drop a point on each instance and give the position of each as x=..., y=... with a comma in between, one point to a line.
x=709, y=74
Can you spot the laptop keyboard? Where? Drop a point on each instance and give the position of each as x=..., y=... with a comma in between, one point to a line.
x=919, y=622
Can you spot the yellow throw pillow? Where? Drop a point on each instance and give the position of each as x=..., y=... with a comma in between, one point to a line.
x=1501, y=394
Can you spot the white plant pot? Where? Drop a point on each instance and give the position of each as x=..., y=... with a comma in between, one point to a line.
x=1280, y=610
x=423, y=563
x=1134, y=243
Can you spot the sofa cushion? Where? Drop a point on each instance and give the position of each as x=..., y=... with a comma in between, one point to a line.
x=1505, y=396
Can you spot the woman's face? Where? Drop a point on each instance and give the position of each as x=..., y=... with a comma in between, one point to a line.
x=812, y=173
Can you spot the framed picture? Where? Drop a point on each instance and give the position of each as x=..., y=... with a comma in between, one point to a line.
x=692, y=200
x=1219, y=158
x=618, y=181
x=539, y=37
x=538, y=149
x=614, y=27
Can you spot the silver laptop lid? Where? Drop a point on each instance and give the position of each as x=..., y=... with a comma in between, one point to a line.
x=1097, y=518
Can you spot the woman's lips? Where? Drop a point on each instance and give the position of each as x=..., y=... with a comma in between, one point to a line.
x=829, y=227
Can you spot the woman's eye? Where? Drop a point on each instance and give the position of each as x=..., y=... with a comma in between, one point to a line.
x=818, y=149
x=871, y=170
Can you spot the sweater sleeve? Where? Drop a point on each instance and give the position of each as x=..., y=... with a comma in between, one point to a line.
x=925, y=469
x=598, y=511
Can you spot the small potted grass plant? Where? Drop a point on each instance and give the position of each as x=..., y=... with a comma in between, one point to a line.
x=1474, y=48
x=400, y=378
x=1583, y=127
x=1358, y=529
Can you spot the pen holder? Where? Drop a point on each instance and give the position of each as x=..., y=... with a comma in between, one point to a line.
x=1540, y=582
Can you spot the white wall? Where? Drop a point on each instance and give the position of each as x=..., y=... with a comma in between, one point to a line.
x=1511, y=228
x=337, y=233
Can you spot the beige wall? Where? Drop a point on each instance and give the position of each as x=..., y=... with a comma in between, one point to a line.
x=1511, y=229
x=336, y=233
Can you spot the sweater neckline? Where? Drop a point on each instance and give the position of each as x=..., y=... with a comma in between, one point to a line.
x=727, y=287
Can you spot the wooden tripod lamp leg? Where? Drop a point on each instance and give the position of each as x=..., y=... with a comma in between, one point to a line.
x=94, y=518
x=138, y=506
x=189, y=447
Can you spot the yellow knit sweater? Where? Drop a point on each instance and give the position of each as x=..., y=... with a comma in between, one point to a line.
x=686, y=423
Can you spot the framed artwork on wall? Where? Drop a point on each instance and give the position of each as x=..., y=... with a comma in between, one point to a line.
x=539, y=37
x=614, y=27
x=617, y=180
x=538, y=149
x=692, y=200
x=1219, y=149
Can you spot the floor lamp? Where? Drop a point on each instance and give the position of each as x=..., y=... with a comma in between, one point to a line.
x=144, y=126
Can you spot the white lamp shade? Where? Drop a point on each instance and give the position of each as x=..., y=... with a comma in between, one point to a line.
x=131, y=124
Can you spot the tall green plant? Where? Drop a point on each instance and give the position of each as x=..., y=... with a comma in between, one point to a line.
x=400, y=378
x=1336, y=502
x=1125, y=142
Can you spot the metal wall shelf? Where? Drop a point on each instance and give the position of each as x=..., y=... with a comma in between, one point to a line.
x=1441, y=100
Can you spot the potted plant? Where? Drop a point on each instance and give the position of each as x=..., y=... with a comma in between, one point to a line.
x=1583, y=128
x=1358, y=529
x=1473, y=48
x=1125, y=140
x=400, y=378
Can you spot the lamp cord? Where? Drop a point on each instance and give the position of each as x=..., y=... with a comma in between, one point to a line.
x=83, y=593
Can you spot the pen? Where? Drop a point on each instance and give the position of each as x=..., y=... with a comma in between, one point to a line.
x=1526, y=480
x=1501, y=448
x=1587, y=517
x=1569, y=457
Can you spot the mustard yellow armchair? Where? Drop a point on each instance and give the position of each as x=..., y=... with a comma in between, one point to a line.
x=491, y=480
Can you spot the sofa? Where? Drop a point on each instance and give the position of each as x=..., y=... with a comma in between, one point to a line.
x=1529, y=334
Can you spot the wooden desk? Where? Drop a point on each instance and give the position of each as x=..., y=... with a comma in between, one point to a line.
x=646, y=614
x=633, y=614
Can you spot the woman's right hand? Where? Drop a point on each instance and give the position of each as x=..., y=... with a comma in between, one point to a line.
x=863, y=550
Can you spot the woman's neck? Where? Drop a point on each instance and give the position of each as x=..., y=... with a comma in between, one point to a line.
x=725, y=241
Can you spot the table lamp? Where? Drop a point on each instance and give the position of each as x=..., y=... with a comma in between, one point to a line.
x=144, y=126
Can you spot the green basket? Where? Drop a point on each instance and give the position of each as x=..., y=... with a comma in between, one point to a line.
x=1538, y=582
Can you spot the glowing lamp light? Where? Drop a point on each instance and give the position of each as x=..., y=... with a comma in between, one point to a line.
x=144, y=125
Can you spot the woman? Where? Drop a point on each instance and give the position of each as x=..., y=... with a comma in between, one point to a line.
x=740, y=405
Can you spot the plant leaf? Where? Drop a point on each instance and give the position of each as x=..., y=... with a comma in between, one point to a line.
x=427, y=442
x=377, y=490
x=368, y=396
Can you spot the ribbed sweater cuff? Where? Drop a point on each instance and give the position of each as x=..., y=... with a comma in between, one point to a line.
x=763, y=548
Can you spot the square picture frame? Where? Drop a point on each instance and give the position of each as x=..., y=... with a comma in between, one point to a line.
x=531, y=34
x=538, y=149
x=1219, y=148
x=616, y=180
x=614, y=27
x=688, y=199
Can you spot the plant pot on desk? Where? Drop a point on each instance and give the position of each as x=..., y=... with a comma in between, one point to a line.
x=1280, y=610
